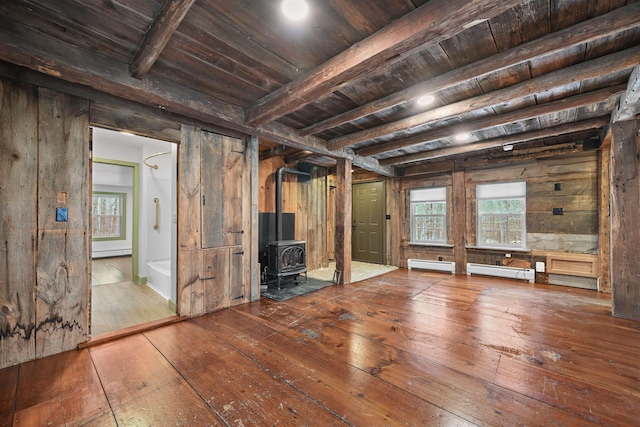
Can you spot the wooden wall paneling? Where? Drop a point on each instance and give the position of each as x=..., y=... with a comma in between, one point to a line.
x=331, y=218
x=222, y=171
x=459, y=216
x=212, y=190
x=63, y=278
x=18, y=221
x=393, y=232
x=238, y=292
x=625, y=233
x=604, y=215
x=343, y=219
x=215, y=272
x=251, y=239
x=190, y=293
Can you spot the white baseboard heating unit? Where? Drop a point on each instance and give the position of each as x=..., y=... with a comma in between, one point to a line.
x=426, y=264
x=500, y=271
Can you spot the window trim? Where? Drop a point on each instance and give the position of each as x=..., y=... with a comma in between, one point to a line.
x=123, y=215
x=433, y=194
x=515, y=190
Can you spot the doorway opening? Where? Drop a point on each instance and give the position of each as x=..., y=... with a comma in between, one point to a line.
x=133, y=230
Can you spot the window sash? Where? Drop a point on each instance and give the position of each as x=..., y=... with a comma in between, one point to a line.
x=500, y=223
x=108, y=216
x=429, y=220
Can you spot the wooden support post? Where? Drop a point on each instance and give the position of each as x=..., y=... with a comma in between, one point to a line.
x=459, y=219
x=343, y=219
x=604, y=215
x=255, y=187
x=625, y=233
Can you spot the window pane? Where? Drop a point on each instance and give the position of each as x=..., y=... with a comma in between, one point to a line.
x=428, y=217
x=107, y=212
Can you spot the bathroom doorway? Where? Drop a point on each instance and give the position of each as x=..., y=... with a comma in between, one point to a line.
x=133, y=230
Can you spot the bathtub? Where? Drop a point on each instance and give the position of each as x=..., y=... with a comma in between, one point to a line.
x=159, y=277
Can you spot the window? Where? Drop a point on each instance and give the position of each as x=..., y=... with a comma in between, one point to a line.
x=501, y=215
x=108, y=216
x=429, y=215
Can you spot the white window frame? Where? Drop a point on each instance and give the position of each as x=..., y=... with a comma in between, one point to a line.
x=501, y=191
x=422, y=195
x=120, y=215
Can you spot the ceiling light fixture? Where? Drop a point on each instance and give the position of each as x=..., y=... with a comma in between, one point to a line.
x=425, y=100
x=295, y=10
x=462, y=137
x=507, y=147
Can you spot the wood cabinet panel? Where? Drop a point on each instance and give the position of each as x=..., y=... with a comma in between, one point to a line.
x=221, y=177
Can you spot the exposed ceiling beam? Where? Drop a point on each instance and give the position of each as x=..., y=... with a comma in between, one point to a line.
x=285, y=135
x=594, y=69
x=441, y=166
x=157, y=36
x=598, y=123
x=629, y=105
x=431, y=23
x=34, y=50
x=280, y=150
x=577, y=101
x=300, y=155
x=609, y=24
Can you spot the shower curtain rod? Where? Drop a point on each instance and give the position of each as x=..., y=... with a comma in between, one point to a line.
x=154, y=155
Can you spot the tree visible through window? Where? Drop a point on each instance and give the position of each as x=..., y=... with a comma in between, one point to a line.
x=429, y=215
x=501, y=214
x=108, y=216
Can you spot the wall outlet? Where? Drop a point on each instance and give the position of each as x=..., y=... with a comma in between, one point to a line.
x=497, y=262
x=507, y=255
x=540, y=267
x=439, y=258
x=557, y=211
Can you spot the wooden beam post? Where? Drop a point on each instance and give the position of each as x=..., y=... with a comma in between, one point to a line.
x=459, y=218
x=604, y=214
x=254, y=292
x=629, y=105
x=343, y=219
x=625, y=233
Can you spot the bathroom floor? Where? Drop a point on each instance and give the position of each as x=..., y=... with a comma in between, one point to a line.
x=117, y=302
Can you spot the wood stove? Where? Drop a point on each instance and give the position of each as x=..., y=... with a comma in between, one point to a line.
x=286, y=259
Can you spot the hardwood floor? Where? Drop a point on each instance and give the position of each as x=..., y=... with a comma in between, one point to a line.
x=117, y=302
x=406, y=348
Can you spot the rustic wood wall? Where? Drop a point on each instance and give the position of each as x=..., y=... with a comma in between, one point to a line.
x=576, y=231
x=307, y=201
x=45, y=293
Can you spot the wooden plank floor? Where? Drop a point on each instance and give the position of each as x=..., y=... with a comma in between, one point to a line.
x=407, y=348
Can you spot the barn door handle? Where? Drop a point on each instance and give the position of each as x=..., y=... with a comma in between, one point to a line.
x=236, y=232
x=239, y=253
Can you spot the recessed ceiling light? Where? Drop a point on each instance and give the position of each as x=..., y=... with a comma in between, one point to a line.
x=462, y=137
x=425, y=100
x=295, y=9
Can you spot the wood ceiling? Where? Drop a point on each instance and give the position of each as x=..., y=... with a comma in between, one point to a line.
x=536, y=73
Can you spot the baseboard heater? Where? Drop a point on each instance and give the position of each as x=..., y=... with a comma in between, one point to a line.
x=500, y=271
x=426, y=264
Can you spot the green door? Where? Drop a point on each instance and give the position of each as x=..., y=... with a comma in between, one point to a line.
x=368, y=222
